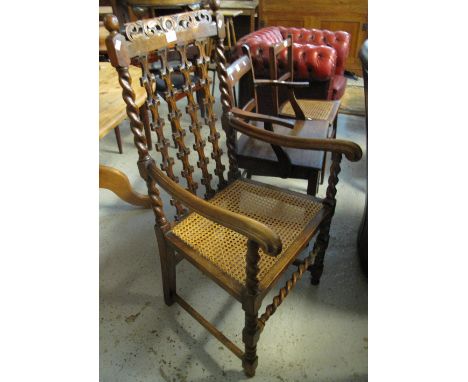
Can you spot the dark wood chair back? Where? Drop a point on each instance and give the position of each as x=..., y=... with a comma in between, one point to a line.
x=158, y=37
x=284, y=51
x=237, y=70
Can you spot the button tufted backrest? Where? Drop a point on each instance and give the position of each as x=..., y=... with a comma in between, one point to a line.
x=340, y=41
x=259, y=42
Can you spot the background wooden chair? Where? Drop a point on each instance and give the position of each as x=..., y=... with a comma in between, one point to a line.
x=261, y=158
x=281, y=61
x=245, y=234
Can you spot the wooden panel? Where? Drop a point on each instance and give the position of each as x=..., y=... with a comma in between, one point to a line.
x=347, y=15
x=352, y=27
x=306, y=6
x=285, y=22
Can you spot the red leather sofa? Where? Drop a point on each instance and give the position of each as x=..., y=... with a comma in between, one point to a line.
x=319, y=57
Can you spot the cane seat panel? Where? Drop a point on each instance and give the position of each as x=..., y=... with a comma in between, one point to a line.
x=313, y=109
x=285, y=213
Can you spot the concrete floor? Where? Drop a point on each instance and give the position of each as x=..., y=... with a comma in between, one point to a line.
x=318, y=334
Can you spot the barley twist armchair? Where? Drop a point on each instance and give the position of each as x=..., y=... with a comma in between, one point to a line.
x=242, y=234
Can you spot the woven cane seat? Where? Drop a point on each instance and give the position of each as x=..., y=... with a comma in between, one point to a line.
x=313, y=109
x=285, y=212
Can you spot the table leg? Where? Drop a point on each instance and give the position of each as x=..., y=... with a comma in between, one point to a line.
x=233, y=31
x=252, y=21
x=115, y=180
x=118, y=138
x=228, y=31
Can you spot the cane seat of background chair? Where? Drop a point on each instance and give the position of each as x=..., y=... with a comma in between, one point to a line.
x=290, y=214
x=281, y=56
x=313, y=109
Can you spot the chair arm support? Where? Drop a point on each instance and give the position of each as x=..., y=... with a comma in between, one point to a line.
x=288, y=84
x=258, y=232
x=349, y=149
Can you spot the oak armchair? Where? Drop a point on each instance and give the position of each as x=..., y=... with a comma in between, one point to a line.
x=245, y=234
x=258, y=157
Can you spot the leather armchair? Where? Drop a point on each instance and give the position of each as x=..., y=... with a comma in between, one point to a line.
x=319, y=57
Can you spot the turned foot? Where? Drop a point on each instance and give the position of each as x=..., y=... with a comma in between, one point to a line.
x=315, y=274
x=250, y=367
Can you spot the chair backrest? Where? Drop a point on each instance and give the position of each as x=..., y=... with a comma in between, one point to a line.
x=237, y=70
x=282, y=50
x=281, y=55
x=134, y=43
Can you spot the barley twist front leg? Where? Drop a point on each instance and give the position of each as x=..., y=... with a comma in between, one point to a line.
x=251, y=332
x=321, y=244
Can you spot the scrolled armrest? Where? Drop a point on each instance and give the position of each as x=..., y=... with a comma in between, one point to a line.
x=267, y=239
x=349, y=149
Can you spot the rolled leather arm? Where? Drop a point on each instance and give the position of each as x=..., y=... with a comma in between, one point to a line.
x=312, y=62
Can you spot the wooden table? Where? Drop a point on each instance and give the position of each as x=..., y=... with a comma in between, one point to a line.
x=112, y=111
x=229, y=15
x=248, y=8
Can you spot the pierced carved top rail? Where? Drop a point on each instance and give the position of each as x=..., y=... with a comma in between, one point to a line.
x=143, y=36
x=166, y=24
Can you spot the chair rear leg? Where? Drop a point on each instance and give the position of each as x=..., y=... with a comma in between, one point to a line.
x=313, y=184
x=168, y=270
x=201, y=105
x=214, y=82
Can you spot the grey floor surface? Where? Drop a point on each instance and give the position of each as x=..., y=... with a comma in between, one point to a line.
x=318, y=334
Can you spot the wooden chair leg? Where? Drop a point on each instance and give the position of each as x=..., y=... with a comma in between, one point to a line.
x=324, y=167
x=320, y=247
x=335, y=126
x=168, y=268
x=250, y=305
x=145, y=119
x=233, y=31
x=313, y=184
x=332, y=135
x=250, y=336
x=228, y=34
x=201, y=105
x=118, y=138
x=214, y=82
